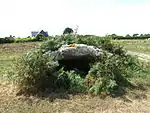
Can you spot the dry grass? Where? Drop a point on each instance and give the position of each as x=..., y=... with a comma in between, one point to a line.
x=17, y=47
x=141, y=46
x=8, y=52
x=138, y=102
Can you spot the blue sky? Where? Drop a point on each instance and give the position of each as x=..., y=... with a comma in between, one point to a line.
x=99, y=17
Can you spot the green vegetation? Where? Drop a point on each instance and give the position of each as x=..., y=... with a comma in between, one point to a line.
x=21, y=40
x=112, y=71
x=16, y=40
x=39, y=37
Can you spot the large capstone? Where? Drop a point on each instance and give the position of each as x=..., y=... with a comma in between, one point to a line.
x=76, y=56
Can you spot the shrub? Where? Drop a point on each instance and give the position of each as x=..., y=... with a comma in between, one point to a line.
x=40, y=37
x=36, y=71
x=7, y=40
x=70, y=80
x=108, y=74
x=77, y=83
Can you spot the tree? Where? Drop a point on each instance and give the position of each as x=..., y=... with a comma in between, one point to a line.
x=135, y=35
x=128, y=36
x=68, y=31
x=39, y=37
x=113, y=36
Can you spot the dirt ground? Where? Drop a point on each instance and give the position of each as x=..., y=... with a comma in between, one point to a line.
x=137, y=101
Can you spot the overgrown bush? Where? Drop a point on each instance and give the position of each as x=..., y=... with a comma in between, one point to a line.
x=36, y=71
x=7, y=40
x=70, y=80
x=109, y=73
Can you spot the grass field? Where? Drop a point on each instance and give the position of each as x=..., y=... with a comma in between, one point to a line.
x=142, y=46
x=133, y=101
x=8, y=52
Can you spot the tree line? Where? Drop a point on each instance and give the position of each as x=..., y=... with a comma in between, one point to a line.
x=134, y=36
x=41, y=37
